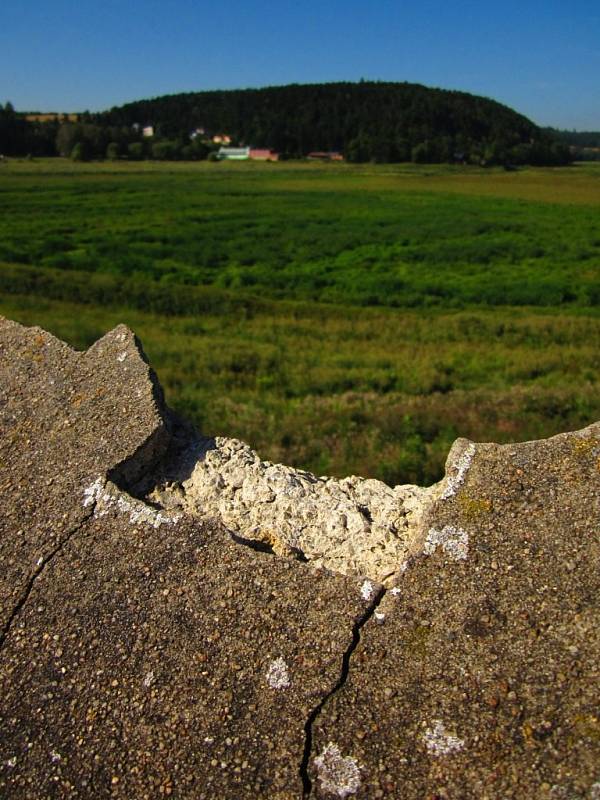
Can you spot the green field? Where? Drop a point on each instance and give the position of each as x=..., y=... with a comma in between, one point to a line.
x=344, y=319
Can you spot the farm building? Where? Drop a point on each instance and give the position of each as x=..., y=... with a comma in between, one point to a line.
x=325, y=156
x=263, y=154
x=247, y=153
x=233, y=153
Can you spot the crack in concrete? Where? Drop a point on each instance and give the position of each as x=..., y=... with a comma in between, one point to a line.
x=312, y=718
x=41, y=566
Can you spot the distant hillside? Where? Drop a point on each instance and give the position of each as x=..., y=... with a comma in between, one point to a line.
x=366, y=121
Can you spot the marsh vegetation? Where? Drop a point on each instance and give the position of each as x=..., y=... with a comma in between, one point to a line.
x=347, y=319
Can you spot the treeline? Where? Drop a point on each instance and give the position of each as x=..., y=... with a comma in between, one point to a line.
x=18, y=137
x=378, y=122
x=583, y=145
x=85, y=140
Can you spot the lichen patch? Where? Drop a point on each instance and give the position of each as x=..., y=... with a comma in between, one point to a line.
x=106, y=497
x=439, y=742
x=367, y=590
x=277, y=674
x=339, y=775
x=461, y=467
x=453, y=541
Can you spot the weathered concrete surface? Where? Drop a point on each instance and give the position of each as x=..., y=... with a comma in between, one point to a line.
x=482, y=681
x=64, y=417
x=151, y=662
x=142, y=655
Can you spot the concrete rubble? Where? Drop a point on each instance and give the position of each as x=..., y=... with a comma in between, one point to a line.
x=351, y=526
x=393, y=642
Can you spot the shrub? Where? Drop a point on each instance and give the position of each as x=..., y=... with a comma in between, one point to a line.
x=136, y=151
x=80, y=152
x=112, y=151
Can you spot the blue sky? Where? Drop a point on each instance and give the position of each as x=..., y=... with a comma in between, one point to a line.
x=542, y=58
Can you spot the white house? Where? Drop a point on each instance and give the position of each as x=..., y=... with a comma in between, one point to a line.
x=233, y=153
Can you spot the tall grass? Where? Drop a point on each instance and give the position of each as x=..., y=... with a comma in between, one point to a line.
x=345, y=319
x=344, y=390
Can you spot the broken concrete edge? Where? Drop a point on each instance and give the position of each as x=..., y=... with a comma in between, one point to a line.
x=352, y=526
x=452, y=539
x=135, y=466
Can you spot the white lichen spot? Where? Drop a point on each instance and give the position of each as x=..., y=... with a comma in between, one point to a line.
x=367, y=590
x=561, y=793
x=40, y=561
x=379, y=616
x=122, y=356
x=338, y=774
x=149, y=679
x=395, y=591
x=453, y=541
x=92, y=493
x=55, y=757
x=107, y=498
x=12, y=762
x=277, y=674
x=441, y=743
x=595, y=791
x=461, y=466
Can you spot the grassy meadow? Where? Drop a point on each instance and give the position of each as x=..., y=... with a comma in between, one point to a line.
x=345, y=319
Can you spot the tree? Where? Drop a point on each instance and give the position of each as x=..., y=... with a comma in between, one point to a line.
x=66, y=138
x=135, y=150
x=81, y=151
x=165, y=150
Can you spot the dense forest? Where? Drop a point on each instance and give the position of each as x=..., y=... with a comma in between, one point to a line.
x=366, y=121
x=584, y=145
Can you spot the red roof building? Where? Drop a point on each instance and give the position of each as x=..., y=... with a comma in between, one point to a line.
x=263, y=154
x=330, y=155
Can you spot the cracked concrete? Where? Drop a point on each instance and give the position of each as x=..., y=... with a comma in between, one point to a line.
x=481, y=681
x=57, y=409
x=374, y=601
x=41, y=565
x=146, y=653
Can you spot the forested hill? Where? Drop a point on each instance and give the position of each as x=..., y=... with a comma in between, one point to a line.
x=365, y=121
